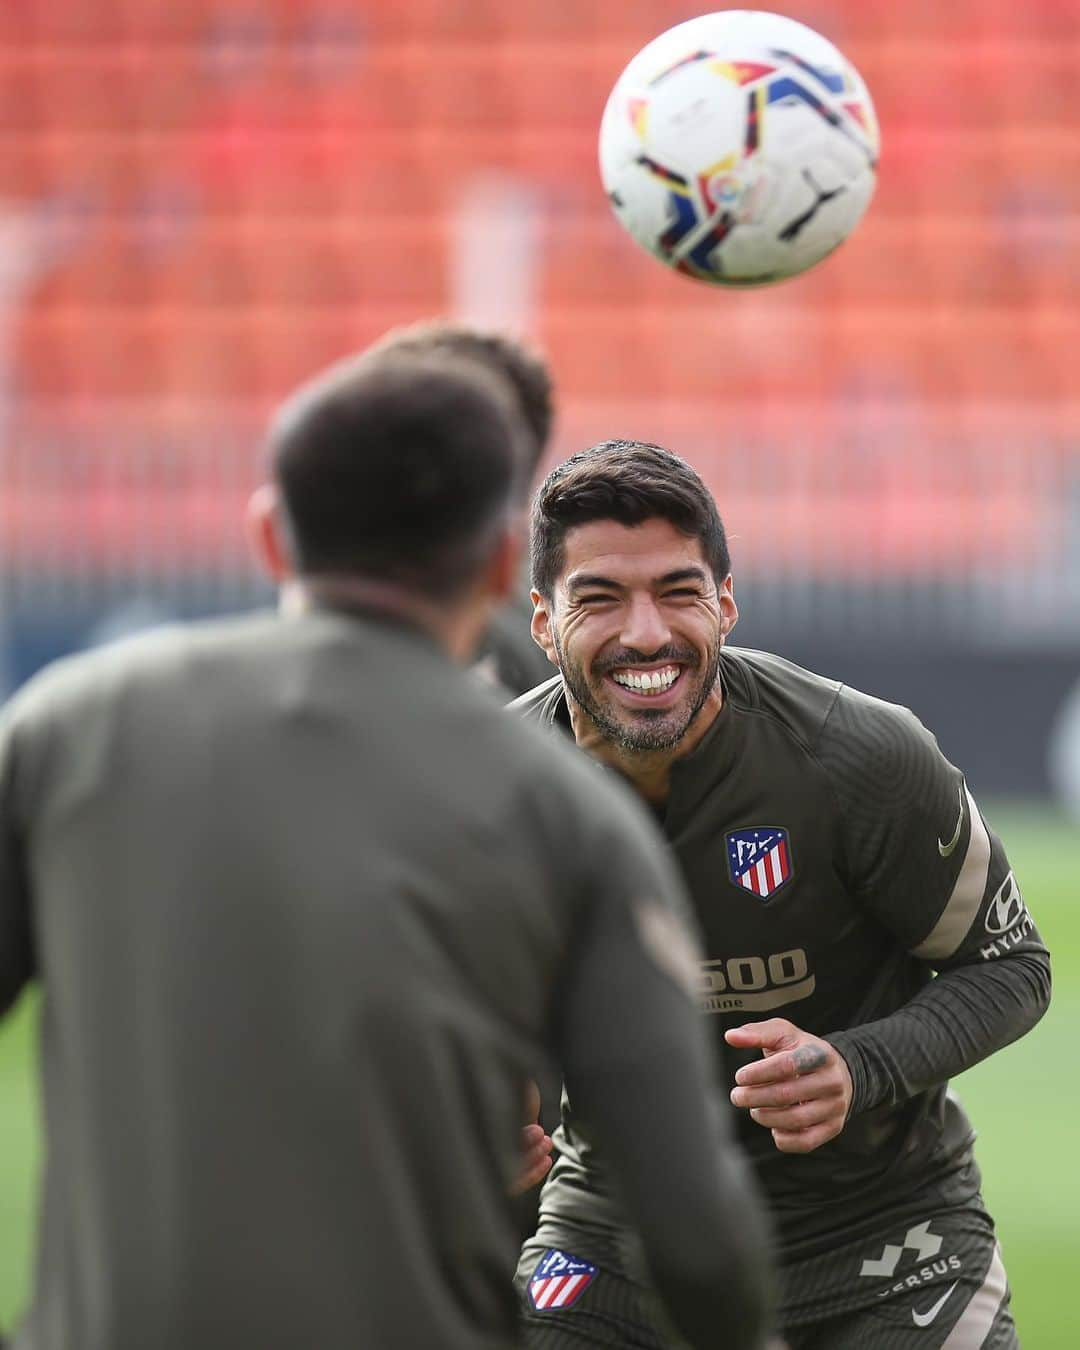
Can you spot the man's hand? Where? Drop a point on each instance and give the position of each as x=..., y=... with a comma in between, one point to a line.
x=800, y=1089
x=535, y=1146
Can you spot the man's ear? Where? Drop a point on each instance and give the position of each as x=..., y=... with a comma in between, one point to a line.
x=267, y=537
x=729, y=611
x=541, y=627
x=504, y=565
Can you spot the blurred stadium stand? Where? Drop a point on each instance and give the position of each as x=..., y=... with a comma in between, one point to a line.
x=201, y=204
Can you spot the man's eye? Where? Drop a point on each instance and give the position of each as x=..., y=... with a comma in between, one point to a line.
x=596, y=598
x=682, y=593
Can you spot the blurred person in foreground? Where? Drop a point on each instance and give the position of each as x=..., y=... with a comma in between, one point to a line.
x=306, y=907
x=506, y=657
x=836, y=861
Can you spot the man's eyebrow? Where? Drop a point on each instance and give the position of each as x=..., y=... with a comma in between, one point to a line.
x=584, y=580
x=682, y=574
x=587, y=580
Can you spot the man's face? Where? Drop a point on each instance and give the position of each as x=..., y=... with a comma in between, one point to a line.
x=635, y=624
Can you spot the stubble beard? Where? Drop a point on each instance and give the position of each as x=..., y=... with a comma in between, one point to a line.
x=646, y=728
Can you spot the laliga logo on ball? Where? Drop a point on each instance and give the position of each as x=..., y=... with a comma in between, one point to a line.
x=739, y=148
x=739, y=195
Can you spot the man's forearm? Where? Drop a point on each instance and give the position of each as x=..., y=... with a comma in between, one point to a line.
x=958, y=1019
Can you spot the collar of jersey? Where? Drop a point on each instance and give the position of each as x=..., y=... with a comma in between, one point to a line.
x=710, y=760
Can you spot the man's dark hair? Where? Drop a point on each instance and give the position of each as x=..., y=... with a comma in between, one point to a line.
x=629, y=482
x=398, y=467
x=524, y=369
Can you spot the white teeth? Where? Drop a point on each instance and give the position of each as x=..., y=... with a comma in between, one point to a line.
x=648, y=681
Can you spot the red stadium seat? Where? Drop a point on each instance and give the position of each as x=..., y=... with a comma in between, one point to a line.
x=247, y=203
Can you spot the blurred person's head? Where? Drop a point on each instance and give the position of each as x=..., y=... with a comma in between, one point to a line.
x=525, y=370
x=632, y=593
x=392, y=483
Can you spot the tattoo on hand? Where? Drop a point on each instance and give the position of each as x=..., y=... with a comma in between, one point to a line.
x=807, y=1058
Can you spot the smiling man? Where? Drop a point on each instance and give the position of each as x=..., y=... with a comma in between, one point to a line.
x=640, y=705
x=865, y=936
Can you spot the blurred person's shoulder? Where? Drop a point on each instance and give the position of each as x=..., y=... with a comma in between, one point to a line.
x=156, y=652
x=527, y=723
x=538, y=725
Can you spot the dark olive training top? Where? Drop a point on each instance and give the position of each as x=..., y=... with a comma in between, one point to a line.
x=307, y=908
x=836, y=860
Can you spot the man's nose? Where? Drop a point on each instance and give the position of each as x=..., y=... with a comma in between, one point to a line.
x=644, y=628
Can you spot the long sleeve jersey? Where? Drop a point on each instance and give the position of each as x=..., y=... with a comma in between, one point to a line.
x=844, y=879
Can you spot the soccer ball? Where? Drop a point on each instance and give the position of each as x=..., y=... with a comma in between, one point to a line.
x=739, y=148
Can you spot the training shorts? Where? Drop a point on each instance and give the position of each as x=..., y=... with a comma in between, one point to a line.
x=936, y=1283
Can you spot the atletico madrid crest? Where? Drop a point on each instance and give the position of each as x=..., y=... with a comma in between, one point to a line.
x=759, y=859
x=559, y=1280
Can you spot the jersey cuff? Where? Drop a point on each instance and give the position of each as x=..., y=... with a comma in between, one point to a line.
x=866, y=1093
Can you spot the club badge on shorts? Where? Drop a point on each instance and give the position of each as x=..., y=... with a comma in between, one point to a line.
x=759, y=859
x=559, y=1280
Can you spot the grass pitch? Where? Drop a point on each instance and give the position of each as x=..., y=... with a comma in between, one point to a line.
x=1025, y=1102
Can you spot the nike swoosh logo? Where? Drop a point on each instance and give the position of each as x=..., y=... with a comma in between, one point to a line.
x=946, y=849
x=924, y=1319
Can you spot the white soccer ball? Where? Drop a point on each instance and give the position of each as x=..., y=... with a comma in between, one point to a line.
x=739, y=148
